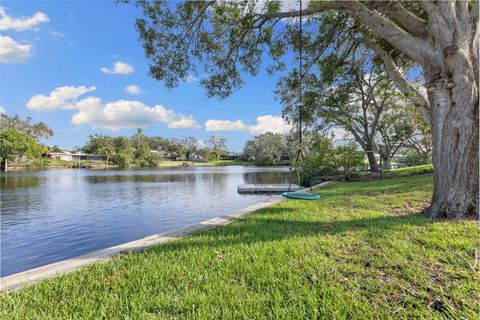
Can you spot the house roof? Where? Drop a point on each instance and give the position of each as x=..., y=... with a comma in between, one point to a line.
x=61, y=152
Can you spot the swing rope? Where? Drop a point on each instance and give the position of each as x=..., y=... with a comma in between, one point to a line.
x=299, y=154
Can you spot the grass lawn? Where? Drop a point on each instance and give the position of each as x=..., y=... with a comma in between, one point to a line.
x=414, y=168
x=204, y=164
x=360, y=252
x=406, y=171
x=220, y=163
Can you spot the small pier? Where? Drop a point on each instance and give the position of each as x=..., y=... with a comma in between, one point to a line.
x=266, y=188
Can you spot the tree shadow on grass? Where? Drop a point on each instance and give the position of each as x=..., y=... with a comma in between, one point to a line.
x=262, y=227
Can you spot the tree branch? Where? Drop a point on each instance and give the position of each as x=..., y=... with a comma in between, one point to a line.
x=405, y=18
x=408, y=90
x=429, y=7
x=416, y=48
x=200, y=14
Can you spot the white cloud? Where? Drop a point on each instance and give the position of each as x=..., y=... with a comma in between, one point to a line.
x=133, y=89
x=126, y=114
x=12, y=51
x=118, y=115
x=266, y=123
x=2, y=110
x=184, y=122
x=119, y=68
x=60, y=98
x=225, y=125
x=22, y=23
x=269, y=123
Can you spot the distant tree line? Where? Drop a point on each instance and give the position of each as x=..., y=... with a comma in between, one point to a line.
x=324, y=155
x=137, y=149
x=20, y=146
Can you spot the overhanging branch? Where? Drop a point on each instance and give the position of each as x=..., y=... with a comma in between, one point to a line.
x=400, y=14
x=408, y=90
x=416, y=48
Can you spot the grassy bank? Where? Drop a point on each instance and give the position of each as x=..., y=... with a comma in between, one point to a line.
x=51, y=163
x=409, y=171
x=360, y=252
x=216, y=163
x=395, y=173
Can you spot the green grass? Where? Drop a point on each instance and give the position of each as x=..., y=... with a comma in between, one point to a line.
x=169, y=163
x=360, y=252
x=420, y=168
x=395, y=173
x=220, y=163
x=215, y=163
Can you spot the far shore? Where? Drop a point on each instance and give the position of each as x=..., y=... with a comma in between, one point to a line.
x=161, y=164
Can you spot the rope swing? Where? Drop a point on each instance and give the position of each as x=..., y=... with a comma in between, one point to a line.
x=301, y=195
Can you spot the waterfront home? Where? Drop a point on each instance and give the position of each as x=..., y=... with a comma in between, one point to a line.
x=166, y=155
x=65, y=155
x=80, y=155
x=196, y=158
x=234, y=156
x=59, y=155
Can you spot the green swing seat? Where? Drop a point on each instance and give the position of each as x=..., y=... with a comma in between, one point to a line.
x=299, y=195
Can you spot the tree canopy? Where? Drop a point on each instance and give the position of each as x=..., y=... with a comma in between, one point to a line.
x=15, y=145
x=266, y=149
x=35, y=130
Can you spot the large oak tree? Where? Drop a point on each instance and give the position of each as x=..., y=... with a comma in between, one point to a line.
x=226, y=38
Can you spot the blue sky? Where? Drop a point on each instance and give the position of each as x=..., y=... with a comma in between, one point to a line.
x=51, y=59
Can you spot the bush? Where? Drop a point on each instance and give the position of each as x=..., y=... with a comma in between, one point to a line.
x=326, y=161
x=122, y=159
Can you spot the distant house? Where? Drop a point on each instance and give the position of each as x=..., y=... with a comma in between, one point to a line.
x=59, y=155
x=197, y=158
x=65, y=155
x=165, y=155
x=79, y=155
x=234, y=156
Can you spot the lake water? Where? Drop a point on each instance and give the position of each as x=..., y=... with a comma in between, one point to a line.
x=51, y=215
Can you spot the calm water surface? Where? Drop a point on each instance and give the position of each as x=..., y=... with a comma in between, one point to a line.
x=51, y=215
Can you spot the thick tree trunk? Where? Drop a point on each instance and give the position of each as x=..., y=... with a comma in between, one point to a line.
x=455, y=137
x=386, y=163
x=372, y=161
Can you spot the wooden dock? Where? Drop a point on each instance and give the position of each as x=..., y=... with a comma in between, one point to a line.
x=266, y=188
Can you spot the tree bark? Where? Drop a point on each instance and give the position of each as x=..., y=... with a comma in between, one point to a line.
x=372, y=161
x=455, y=138
x=455, y=156
x=386, y=163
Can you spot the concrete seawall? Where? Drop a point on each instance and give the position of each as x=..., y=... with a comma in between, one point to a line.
x=16, y=281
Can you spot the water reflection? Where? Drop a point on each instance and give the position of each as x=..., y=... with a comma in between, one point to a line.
x=52, y=215
x=140, y=178
x=15, y=182
x=265, y=178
